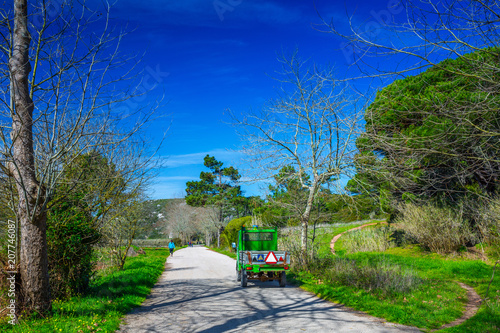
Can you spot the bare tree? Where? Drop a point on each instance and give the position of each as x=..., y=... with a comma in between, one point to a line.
x=21, y=166
x=310, y=129
x=112, y=185
x=417, y=34
x=208, y=223
x=121, y=227
x=63, y=71
x=185, y=221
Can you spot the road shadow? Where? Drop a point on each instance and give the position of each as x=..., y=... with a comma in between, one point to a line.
x=210, y=305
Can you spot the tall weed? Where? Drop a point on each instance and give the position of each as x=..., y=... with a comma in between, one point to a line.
x=381, y=276
x=441, y=230
x=290, y=240
x=489, y=227
x=367, y=240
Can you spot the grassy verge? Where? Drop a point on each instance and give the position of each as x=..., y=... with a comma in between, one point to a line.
x=324, y=235
x=224, y=251
x=406, y=286
x=112, y=296
x=159, y=242
x=370, y=238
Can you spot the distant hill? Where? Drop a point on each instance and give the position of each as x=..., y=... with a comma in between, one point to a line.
x=153, y=225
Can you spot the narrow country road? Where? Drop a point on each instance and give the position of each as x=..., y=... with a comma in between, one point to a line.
x=198, y=292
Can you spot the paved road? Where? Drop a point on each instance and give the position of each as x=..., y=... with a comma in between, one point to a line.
x=198, y=292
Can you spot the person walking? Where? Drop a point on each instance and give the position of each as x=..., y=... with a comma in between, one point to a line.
x=171, y=247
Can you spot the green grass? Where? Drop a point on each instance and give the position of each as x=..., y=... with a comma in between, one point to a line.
x=420, y=308
x=112, y=296
x=368, y=239
x=487, y=320
x=435, y=300
x=340, y=243
x=329, y=232
x=224, y=251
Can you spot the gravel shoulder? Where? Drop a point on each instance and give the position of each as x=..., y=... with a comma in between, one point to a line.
x=198, y=292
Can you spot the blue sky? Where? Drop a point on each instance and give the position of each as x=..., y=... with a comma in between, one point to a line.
x=208, y=56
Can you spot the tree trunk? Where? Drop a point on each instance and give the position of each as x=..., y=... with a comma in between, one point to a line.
x=303, y=244
x=221, y=223
x=207, y=238
x=304, y=221
x=35, y=291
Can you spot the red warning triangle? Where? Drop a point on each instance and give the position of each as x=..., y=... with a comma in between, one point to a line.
x=271, y=258
x=280, y=259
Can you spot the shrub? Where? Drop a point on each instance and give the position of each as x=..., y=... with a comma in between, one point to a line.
x=489, y=226
x=177, y=241
x=70, y=236
x=157, y=242
x=230, y=233
x=367, y=240
x=437, y=229
x=377, y=276
x=289, y=240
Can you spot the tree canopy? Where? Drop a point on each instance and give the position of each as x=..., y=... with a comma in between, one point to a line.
x=217, y=187
x=435, y=134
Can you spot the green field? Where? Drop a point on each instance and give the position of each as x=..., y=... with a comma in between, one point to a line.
x=404, y=285
x=113, y=295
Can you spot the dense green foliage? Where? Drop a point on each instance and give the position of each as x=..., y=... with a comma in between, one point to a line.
x=218, y=188
x=230, y=234
x=214, y=187
x=434, y=136
x=93, y=200
x=70, y=235
x=72, y=228
x=350, y=208
x=287, y=199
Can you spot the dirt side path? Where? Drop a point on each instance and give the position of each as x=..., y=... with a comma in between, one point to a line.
x=198, y=292
x=474, y=300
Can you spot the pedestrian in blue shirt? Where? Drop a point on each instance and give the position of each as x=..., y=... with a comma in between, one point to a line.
x=171, y=247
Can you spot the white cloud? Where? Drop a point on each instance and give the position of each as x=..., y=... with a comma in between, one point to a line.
x=223, y=155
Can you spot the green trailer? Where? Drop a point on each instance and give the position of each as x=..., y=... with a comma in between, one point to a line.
x=258, y=257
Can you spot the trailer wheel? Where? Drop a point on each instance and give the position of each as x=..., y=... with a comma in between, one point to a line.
x=282, y=279
x=243, y=279
x=238, y=275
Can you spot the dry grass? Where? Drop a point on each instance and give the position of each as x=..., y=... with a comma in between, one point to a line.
x=489, y=227
x=381, y=276
x=367, y=240
x=441, y=230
